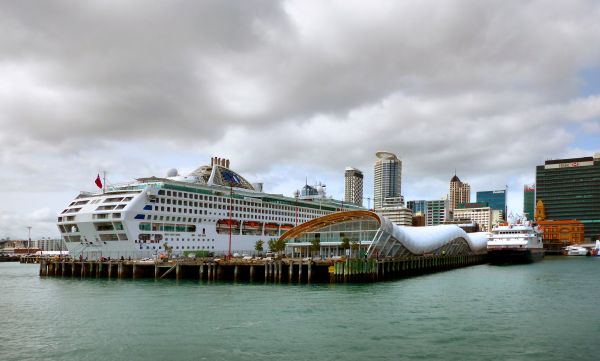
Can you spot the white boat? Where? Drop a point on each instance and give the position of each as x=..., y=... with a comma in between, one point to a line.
x=213, y=210
x=515, y=243
x=576, y=251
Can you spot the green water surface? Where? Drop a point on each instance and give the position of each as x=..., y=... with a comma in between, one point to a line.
x=543, y=311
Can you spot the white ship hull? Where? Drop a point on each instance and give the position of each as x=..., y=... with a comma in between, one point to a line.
x=137, y=220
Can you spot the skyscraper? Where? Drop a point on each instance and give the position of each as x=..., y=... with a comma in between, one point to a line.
x=388, y=176
x=353, y=186
x=529, y=201
x=495, y=199
x=459, y=193
x=570, y=189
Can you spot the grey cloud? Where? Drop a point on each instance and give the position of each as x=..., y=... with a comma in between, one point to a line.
x=483, y=87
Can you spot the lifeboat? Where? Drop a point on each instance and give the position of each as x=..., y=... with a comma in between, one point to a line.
x=252, y=228
x=287, y=226
x=271, y=226
x=252, y=225
x=223, y=226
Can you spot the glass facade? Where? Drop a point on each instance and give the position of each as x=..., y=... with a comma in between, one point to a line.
x=570, y=189
x=361, y=230
x=529, y=202
x=436, y=212
x=417, y=206
x=495, y=199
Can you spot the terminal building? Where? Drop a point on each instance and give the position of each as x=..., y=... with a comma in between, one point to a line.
x=570, y=190
x=372, y=235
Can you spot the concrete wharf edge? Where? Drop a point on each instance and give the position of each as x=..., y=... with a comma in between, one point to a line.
x=258, y=271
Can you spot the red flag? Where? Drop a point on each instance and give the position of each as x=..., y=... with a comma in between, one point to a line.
x=98, y=182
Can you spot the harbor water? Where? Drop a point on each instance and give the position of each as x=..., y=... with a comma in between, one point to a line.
x=543, y=311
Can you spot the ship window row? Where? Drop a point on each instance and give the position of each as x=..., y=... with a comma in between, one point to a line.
x=71, y=210
x=146, y=238
x=182, y=247
x=111, y=207
x=250, y=213
x=108, y=226
x=66, y=219
x=221, y=201
x=166, y=227
x=103, y=238
x=79, y=203
x=106, y=215
x=301, y=218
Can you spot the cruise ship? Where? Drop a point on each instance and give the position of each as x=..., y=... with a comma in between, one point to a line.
x=515, y=243
x=200, y=214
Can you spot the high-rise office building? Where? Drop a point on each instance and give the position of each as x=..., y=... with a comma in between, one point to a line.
x=435, y=212
x=459, y=193
x=353, y=186
x=495, y=199
x=438, y=212
x=570, y=189
x=529, y=201
x=388, y=176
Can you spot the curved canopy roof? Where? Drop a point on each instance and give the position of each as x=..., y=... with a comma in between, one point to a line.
x=391, y=240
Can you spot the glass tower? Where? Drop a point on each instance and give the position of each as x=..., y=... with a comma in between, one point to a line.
x=529, y=201
x=570, y=189
x=495, y=199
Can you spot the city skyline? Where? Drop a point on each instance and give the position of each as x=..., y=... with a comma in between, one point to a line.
x=294, y=90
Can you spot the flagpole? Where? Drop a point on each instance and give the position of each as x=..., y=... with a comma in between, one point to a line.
x=104, y=182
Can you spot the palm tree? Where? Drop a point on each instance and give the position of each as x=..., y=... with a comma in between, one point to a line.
x=169, y=249
x=315, y=245
x=345, y=244
x=355, y=247
x=258, y=246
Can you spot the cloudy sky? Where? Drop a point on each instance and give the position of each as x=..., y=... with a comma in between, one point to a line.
x=289, y=91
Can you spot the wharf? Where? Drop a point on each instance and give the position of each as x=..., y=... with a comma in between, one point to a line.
x=275, y=271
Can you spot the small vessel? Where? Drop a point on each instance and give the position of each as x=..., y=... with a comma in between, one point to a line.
x=515, y=243
x=596, y=250
x=575, y=251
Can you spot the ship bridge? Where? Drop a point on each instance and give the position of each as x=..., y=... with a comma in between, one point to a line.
x=373, y=236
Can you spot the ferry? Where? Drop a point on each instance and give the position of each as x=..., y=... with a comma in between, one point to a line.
x=211, y=211
x=515, y=243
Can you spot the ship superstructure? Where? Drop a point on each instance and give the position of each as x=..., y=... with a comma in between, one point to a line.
x=197, y=213
x=515, y=243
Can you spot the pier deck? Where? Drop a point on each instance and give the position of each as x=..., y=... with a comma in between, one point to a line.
x=276, y=271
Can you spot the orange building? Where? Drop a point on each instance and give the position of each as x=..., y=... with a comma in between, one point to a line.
x=558, y=234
